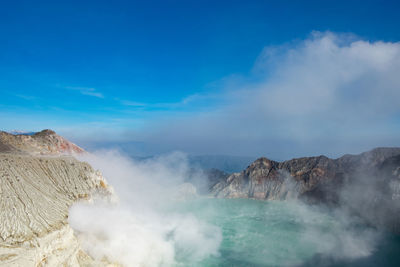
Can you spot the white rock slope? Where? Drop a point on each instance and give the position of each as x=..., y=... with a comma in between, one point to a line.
x=35, y=195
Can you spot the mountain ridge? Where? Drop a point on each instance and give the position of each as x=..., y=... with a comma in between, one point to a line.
x=317, y=167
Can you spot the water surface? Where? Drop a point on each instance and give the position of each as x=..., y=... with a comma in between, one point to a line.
x=259, y=233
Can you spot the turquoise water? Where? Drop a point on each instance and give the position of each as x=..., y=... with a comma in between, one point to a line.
x=260, y=233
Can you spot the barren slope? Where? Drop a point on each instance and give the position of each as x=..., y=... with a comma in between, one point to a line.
x=36, y=192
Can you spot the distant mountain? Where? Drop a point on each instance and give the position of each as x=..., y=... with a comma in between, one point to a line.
x=224, y=163
x=16, y=132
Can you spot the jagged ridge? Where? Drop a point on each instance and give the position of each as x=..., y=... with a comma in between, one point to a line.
x=266, y=179
x=368, y=184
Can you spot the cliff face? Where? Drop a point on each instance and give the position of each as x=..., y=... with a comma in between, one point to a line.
x=368, y=184
x=36, y=191
x=266, y=179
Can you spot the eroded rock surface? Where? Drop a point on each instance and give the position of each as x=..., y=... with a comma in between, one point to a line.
x=38, y=184
x=36, y=193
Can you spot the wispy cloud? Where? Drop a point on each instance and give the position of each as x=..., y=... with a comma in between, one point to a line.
x=191, y=100
x=27, y=97
x=89, y=91
x=132, y=103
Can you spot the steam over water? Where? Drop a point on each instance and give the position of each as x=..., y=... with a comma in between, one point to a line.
x=259, y=233
x=153, y=225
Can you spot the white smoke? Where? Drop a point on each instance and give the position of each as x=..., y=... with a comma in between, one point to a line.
x=147, y=229
x=142, y=229
x=335, y=234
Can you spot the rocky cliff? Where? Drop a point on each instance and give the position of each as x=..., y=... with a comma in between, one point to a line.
x=38, y=184
x=368, y=183
x=301, y=177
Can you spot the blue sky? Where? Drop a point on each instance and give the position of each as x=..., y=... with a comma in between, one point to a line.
x=122, y=71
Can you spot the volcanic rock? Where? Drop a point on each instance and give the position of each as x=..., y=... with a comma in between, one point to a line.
x=367, y=184
x=38, y=184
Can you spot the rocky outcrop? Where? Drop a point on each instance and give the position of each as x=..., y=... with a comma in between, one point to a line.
x=57, y=248
x=271, y=180
x=310, y=177
x=367, y=184
x=46, y=142
x=37, y=186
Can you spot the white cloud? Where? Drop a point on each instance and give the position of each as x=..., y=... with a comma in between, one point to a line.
x=329, y=93
x=328, y=73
